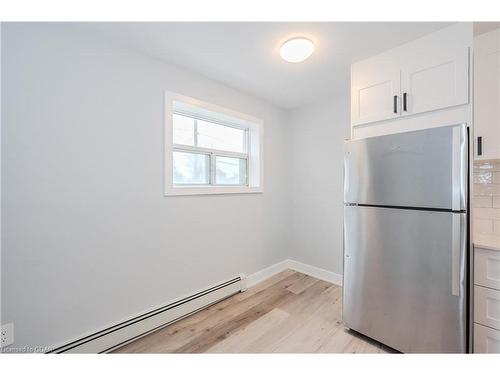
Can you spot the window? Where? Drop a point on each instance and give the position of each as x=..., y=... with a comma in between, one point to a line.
x=210, y=150
x=208, y=153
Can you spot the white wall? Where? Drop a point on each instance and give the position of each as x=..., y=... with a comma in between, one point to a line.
x=88, y=238
x=316, y=182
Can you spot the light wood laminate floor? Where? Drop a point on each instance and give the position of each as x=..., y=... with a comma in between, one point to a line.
x=287, y=313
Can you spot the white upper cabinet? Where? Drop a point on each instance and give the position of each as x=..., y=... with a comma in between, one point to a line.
x=425, y=75
x=375, y=93
x=487, y=95
x=435, y=80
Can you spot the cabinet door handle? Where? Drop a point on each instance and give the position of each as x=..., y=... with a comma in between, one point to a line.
x=479, y=146
x=395, y=104
x=405, y=101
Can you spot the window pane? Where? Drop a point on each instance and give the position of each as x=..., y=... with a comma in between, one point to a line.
x=220, y=137
x=183, y=130
x=230, y=171
x=190, y=168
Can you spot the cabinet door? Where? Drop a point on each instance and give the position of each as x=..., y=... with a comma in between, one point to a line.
x=487, y=268
x=374, y=93
x=487, y=307
x=486, y=340
x=487, y=95
x=435, y=79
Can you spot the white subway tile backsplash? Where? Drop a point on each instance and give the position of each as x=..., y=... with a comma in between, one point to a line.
x=492, y=166
x=487, y=213
x=496, y=227
x=483, y=178
x=486, y=199
x=486, y=189
x=483, y=226
x=496, y=202
x=483, y=201
x=496, y=177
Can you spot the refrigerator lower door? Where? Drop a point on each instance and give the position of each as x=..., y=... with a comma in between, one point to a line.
x=404, y=278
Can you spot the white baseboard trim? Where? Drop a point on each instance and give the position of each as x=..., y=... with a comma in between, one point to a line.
x=313, y=271
x=316, y=272
x=266, y=273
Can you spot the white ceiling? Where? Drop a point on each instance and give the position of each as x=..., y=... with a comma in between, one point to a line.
x=245, y=56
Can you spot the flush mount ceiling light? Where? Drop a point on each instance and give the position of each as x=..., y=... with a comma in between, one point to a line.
x=296, y=49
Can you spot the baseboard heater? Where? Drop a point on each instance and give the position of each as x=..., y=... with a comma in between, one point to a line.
x=125, y=332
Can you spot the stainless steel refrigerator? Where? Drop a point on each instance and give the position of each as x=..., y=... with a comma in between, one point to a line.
x=406, y=239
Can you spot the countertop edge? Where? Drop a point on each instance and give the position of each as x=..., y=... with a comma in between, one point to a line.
x=486, y=246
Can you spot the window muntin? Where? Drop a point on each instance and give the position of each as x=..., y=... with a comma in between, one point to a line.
x=208, y=153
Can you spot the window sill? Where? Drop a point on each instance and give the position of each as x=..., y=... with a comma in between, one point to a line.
x=214, y=190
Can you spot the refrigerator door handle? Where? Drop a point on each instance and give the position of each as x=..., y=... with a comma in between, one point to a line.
x=346, y=175
x=459, y=167
x=458, y=252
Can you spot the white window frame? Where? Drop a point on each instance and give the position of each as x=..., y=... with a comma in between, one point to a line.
x=176, y=103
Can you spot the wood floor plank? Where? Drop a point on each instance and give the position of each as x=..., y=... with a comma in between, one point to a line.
x=315, y=301
x=311, y=328
x=359, y=346
x=287, y=313
x=329, y=304
x=304, y=282
x=337, y=343
x=212, y=336
x=222, y=330
x=265, y=284
x=300, y=309
x=242, y=339
x=180, y=334
x=306, y=338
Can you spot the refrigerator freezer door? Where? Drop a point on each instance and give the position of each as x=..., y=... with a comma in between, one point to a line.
x=404, y=278
x=425, y=168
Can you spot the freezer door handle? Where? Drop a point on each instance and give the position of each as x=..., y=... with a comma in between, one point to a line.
x=458, y=253
x=347, y=175
x=459, y=168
